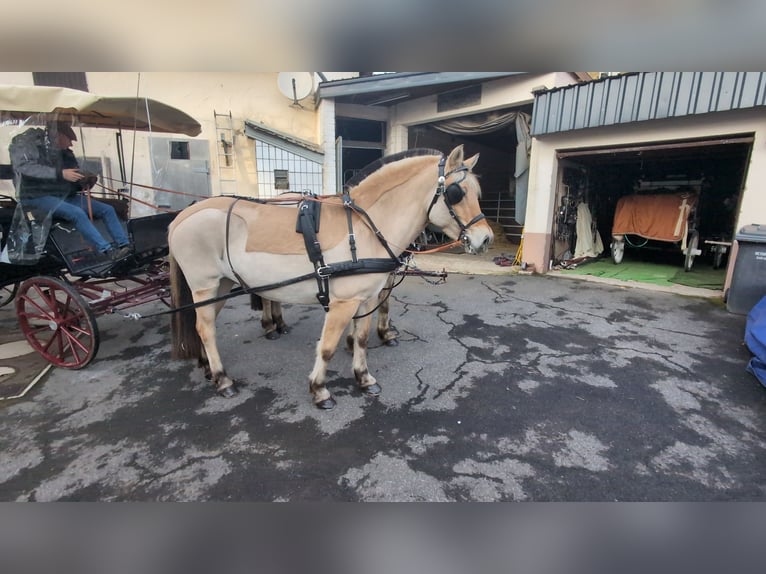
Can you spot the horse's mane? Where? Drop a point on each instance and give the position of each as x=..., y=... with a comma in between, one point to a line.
x=371, y=168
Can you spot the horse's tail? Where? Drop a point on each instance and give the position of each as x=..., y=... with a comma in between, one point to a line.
x=256, y=302
x=185, y=340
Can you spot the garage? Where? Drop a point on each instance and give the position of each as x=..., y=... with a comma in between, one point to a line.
x=607, y=144
x=712, y=171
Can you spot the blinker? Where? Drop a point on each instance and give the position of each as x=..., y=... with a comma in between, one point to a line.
x=454, y=194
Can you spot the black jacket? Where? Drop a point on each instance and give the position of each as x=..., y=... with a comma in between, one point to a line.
x=38, y=166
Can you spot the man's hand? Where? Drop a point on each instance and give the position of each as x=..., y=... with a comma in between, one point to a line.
x=72, y=174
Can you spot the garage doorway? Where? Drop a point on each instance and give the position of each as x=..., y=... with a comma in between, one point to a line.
x=714, y=169
x=496, y=167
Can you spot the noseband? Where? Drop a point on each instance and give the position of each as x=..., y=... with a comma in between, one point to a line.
x=452, y=195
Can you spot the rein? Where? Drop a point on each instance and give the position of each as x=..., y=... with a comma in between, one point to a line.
x=308, y=225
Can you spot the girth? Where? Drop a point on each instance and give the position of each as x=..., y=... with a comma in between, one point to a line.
x=308, y=220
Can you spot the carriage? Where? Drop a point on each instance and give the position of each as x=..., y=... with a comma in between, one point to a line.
x=659, y=213
x=59, y=293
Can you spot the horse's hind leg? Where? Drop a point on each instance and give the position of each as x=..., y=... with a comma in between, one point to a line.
x=335, y=322
x=272, y=321
x=211, y=359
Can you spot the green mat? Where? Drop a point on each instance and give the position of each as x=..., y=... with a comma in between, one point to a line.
x=702, y=275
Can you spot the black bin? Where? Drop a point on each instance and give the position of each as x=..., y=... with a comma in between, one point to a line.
x=748, y=283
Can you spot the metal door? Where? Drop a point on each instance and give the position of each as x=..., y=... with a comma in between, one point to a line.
x=182, y=165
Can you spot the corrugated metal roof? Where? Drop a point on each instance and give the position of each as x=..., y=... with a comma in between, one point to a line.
x=645, y=96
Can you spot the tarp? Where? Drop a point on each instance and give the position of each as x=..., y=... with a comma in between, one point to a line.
x=663, y=217
x=755, y=339
x=90, y=110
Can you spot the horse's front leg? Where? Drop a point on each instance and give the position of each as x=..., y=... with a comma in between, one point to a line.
x=386, y=331
x=211, y=360
x=361, y=330
x=335, y=322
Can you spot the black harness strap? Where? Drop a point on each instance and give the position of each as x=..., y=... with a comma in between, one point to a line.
x=308, y=225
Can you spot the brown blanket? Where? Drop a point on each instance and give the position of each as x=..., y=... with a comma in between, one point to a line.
x=663, y=217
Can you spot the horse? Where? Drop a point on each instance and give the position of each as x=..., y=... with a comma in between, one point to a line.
x=274, y=325
x=223, y=241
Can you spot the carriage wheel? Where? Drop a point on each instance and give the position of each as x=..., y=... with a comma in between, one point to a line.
x=718, y=254
x=691, y=250
x=7, y=293
x=57, y=322
x=618, y=250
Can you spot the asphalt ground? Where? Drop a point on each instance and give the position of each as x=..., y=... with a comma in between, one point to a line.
x=503, y=388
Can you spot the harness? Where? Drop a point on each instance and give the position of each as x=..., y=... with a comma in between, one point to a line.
x=453, y=195
x=307, y=223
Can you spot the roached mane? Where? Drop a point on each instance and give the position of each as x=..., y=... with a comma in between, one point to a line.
x=371, y=168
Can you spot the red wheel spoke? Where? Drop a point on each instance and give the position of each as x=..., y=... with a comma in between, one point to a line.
x=72, y=340
x=45, y=314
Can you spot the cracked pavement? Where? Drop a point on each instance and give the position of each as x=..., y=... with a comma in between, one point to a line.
x=503, y=388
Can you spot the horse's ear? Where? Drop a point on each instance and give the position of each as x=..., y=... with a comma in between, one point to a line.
x=471, y=162
x=455, y=159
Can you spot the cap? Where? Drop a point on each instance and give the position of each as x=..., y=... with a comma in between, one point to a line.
x=62, y=128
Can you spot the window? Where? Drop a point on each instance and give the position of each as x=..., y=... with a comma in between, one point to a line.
x=280, y=170
x=281, y=179
x=179, y=150
x=74, y=80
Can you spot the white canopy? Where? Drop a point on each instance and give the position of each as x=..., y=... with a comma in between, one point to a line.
x=90, y=110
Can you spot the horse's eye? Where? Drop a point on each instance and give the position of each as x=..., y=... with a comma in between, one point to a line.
x=454, y=194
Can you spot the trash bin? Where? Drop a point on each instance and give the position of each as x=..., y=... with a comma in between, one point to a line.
x=748, y=282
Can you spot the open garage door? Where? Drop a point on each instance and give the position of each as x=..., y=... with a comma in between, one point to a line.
x=502, y=138
x=708, y=177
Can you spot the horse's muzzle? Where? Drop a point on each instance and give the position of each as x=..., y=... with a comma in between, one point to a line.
x=476, y=243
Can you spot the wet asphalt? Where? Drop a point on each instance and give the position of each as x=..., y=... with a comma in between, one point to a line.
x=503, y=388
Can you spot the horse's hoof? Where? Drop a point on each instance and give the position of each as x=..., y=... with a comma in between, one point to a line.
x=284, y=330
x=326, y=404
x=373, y=390
x=273, y=336
x=392, y=343
x=228, y=392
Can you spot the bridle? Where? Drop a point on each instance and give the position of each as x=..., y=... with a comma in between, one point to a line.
x=452, y=195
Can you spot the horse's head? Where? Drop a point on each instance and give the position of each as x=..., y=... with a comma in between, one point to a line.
x=455, y=205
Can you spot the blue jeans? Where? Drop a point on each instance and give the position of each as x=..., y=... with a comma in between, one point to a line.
x=74, y=209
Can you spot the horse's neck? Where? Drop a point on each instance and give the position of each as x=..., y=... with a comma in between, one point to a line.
x=400, y=211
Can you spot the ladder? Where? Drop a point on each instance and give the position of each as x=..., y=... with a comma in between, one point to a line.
x=226, y=150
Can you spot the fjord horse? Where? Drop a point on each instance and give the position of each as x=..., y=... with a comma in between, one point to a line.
x=355, y=244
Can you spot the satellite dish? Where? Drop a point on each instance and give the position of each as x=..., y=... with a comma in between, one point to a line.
x=296, y=85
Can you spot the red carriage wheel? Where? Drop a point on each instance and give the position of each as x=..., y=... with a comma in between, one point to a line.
x=57, y=322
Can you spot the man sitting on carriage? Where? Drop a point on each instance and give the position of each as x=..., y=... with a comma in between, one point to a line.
x=48, y=178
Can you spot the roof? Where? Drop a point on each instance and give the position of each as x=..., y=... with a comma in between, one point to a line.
x=283, y=140
x=397, y=87
x=641, y=96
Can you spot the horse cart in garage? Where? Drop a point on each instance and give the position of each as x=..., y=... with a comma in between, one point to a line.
x=651, y=219
x=60, y=289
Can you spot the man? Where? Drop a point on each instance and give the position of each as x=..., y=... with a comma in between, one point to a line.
x=48, y=178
